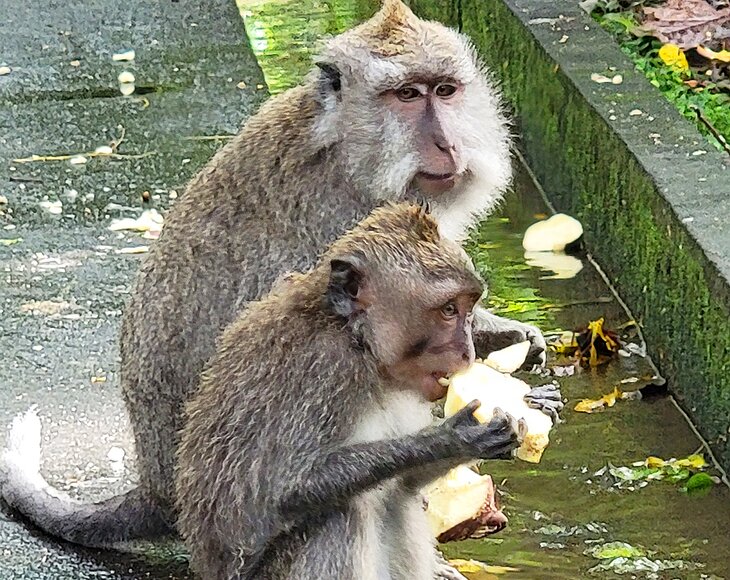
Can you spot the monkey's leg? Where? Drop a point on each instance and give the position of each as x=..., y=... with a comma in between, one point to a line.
x=492, y=332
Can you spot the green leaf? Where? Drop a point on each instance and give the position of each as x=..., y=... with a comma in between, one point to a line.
x=699, y=484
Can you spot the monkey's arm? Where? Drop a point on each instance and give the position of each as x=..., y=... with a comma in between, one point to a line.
x=492, y=332
x=329, y=478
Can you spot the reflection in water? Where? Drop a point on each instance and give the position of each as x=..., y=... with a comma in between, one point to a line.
x=561, y=265
x=558, y=509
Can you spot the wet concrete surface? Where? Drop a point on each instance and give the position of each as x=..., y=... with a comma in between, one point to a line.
x=62, y=283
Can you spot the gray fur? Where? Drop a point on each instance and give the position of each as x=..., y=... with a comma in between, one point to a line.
x=295, y=449
x=311, y=163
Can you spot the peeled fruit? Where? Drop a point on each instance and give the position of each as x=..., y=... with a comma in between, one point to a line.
x=463, y=504
x=495, y=389
x=509, y=359
x=552, y=234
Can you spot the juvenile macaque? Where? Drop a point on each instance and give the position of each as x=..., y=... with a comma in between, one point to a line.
x=396, y=108
x=307, y=444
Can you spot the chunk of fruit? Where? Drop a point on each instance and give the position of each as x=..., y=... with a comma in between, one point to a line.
x=509, y=359
x=463, y=504
x=495, y=389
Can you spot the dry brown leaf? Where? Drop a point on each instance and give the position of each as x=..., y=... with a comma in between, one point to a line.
x=686, y=23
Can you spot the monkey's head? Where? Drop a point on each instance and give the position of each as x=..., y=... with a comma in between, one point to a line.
x=414, y=112
x=407, y=295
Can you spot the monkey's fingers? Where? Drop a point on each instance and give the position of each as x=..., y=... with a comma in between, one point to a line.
x=550, y=405
x=521, y=430
x=549, y=391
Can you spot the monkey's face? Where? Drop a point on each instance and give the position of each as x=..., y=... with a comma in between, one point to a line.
x=426, y=107
x=430, y=342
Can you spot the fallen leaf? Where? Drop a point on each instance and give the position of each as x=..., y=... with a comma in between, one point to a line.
x=699, y=484
x=565, y=343
x=5, y=70
x=685, y=23
x=44, y=307
x=474, y=567
x=596, y=78
x=593, y=405
x=723, y=55
x=597, y=345
x=123, y=56
x=10, y=241
x=134, y=250
x=53, y=207
x=612, y=550
x=150, y=222
x=673, y=57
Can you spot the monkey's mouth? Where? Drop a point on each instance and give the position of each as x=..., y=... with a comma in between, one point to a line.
x=435, y=182
x=439, y=385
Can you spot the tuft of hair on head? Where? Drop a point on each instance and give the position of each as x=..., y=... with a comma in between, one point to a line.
x=405, y=220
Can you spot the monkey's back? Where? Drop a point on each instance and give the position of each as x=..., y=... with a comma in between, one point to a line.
x=223, y=245
x=278, y=386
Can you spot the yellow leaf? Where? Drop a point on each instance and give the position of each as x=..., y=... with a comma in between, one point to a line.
x=654, y=462
x=592, y=405
x=475, y=567
x=693, y=462
x=565, y=343
x=723, y=55
x=468, y=566
x=673, y=56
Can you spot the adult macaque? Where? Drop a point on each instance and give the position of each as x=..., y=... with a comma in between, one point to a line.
x=396, y=108
x=307, y=444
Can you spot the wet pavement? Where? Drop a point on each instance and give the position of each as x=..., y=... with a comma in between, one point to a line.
x=63, y=286
x=62, y=283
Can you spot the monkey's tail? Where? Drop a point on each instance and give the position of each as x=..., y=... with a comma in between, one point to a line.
x=130, y=516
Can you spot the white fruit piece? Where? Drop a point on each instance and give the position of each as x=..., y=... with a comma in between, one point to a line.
x=552, y=234
x=461, y=503
x=495, y=389
x=509, y=359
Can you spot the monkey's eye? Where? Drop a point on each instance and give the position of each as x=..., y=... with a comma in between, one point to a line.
x=407, y=94
x=449, y=310
x=445, y=90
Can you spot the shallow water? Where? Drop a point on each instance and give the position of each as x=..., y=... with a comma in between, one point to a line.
x=557, y=509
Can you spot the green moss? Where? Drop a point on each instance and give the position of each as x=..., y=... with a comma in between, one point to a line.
x=636, y=237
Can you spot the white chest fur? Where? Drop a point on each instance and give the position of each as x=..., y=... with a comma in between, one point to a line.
x=397, y=414
x=393, y=521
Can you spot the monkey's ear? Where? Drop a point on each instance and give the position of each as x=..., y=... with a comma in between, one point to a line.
x=345, y=289
x=329, y=78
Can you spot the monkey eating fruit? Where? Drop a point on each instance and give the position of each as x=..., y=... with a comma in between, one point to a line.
x=396, y=108
x=307, y=445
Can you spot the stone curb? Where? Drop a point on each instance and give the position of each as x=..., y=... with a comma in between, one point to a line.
x=652, y=193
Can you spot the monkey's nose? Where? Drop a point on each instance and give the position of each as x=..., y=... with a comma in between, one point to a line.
x=445, y=146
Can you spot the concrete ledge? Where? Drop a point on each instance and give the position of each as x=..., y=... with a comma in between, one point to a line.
x=652, y=193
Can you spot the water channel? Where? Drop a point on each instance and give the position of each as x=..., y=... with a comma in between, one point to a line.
x=560, y=512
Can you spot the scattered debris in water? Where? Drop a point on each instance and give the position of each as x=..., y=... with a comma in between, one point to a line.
x=689, y=470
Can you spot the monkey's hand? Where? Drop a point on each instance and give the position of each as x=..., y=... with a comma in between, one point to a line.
x=548, y=399
x=494, y=440
x=444, y=570
x=492, y=332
